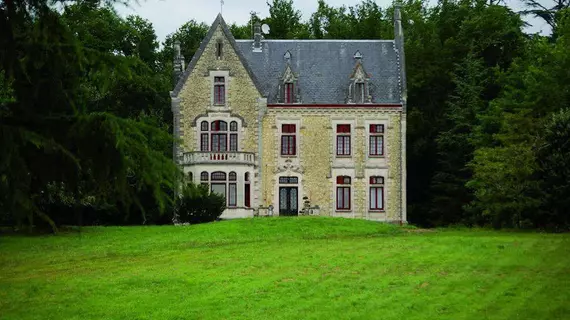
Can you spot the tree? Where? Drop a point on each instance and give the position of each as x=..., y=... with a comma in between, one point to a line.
x=554, y=162
x=48, y=134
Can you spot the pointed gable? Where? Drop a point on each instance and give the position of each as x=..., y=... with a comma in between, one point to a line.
x=218, y=23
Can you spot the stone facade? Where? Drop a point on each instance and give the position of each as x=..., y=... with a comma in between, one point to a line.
x=258, y=162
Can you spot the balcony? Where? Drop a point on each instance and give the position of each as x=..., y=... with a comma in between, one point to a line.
x=200, y=157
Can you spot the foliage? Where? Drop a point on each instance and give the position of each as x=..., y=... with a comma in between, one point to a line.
x=51, y=133
x=554, y=163
x=287, y=268
x=197, y=204
x=85, y=108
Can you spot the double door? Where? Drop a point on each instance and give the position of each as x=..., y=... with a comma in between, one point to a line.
x=288, y=201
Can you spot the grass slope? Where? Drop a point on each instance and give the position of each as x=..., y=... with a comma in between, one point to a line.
x=285, y=268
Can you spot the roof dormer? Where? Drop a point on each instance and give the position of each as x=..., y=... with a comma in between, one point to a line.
x=288, y=88
x=358, y=89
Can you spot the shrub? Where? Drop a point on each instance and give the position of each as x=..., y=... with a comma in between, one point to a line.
x=198, y=205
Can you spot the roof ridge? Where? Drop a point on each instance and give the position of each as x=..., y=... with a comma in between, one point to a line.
x=219, y=21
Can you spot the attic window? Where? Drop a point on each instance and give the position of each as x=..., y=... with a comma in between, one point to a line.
x=219, y=49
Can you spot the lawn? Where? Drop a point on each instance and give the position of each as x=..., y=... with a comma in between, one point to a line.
x=285, y=268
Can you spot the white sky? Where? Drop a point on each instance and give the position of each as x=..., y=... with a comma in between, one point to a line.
x=168, y=15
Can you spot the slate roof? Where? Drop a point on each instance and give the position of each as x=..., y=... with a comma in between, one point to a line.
x=324, y=68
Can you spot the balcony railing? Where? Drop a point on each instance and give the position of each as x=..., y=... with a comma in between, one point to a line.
x=218, y=157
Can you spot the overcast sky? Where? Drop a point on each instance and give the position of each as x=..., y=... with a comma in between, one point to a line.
x=169, y=15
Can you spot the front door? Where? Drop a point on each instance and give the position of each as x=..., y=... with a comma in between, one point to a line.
x=288, y=201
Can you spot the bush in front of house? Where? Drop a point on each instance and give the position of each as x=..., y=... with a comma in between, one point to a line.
x=197, y=205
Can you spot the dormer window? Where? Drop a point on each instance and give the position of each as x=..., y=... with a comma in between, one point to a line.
x=219, y=91
x=358, y=91
x=288, y=84
x=289, y=93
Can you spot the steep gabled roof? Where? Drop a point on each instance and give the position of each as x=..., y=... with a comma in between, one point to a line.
x=323, y=68
x=218, y=22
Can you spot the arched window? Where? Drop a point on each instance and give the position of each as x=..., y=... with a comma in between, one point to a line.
x=214, y=136
x=376, y=193
x=190, y=177
x=343, y=192
x=204, y=137
x=219, y=184
x=204, y=178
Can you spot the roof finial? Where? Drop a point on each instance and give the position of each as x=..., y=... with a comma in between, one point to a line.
x=221, y=5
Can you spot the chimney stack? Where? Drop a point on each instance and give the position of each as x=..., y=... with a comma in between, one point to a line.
x=257, y=37
x=178, y=63
x=399, y=41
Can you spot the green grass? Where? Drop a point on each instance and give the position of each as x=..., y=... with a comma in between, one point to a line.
x=285, y=268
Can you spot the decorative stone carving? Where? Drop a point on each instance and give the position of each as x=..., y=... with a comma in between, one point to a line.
x=289, y=166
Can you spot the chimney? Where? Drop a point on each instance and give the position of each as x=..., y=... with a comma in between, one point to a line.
x=399, y=41
x=257, y=37
x=178, y=63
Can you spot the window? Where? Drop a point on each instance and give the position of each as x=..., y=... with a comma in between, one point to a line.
x=343, y=193
x=219, y=49
x=190, y=177
x=233, y=136
x=359, y=92
x=222, y=184
x=247, y=191
x=376, y=193
x=376, y=145
x=219, y=135
x=204, y=178
x=343, y=140
x=289, y=93
x=288, y=140
x=219, y=90
x=216, y=138
x=204, y=144
x=232, y=190
x=288, y=180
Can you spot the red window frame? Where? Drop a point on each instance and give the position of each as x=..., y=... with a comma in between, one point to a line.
x=288, y=140
x=343, y=140
x=247, y=192
x=376, y=188
x=376, y=140
x=289, y=92
x=343, y=196
x=219, y=91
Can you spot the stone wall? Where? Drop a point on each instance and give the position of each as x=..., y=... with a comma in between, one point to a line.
x=315, y=156
x=196, y=94
x=316, y=153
